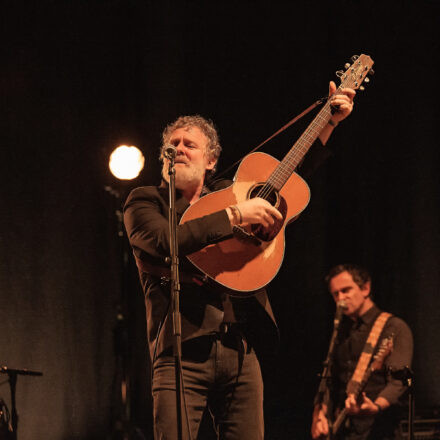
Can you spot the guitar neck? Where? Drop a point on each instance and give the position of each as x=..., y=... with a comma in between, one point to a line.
x=288, y=165
x=352, y=77
x=338, y=422
x=384, y=351
x=343, y=414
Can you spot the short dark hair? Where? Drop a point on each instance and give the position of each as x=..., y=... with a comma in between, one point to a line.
x=360, y=275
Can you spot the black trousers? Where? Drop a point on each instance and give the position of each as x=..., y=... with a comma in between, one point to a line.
x=221, y=373
x=382, y=427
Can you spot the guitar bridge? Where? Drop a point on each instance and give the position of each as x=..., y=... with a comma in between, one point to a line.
x=244, y=236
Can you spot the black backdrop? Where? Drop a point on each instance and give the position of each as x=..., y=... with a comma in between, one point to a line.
x=81, y=77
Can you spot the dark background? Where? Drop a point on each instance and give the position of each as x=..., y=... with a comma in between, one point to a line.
x=80, y=77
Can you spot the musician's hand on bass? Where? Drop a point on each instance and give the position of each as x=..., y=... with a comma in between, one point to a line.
x=319, y=424
x=365, y=407
x=253, y=211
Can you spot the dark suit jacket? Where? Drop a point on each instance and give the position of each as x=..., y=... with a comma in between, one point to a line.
x=146, y=215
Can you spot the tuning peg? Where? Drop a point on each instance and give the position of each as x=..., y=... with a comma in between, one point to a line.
x=354, y=58
x=339, y=73
x=361, y=88
x=371, y=72
x=366, y=79
x=347, y=65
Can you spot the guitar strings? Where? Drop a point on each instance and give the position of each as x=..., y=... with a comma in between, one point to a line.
x=289, y=163
x=292, y=158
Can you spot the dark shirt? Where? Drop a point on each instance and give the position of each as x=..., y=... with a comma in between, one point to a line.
x=383, y=382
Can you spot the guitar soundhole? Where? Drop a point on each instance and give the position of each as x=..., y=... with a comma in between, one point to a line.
x=274, y=198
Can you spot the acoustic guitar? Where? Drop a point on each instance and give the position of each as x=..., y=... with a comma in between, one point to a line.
x=253, y=256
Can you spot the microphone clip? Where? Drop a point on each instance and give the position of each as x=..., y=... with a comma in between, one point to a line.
x=170, y=152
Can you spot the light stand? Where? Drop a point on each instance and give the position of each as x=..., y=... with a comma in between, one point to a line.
x=122, y=428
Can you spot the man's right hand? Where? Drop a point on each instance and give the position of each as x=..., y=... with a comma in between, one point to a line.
x=255, y=211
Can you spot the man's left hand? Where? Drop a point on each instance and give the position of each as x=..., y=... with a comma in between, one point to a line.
x=365, y=408
x=342, y=102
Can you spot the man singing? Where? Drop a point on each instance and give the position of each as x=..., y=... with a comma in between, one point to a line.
x=374, y=414
x=223, y=337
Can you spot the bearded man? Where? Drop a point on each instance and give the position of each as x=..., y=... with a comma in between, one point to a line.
x=223, y=337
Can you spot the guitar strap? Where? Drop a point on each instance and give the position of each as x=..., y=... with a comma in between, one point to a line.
x=367, y=353
x=285, y=127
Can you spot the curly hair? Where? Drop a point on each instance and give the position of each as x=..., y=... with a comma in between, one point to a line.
x=207, y=128
x=360, y=275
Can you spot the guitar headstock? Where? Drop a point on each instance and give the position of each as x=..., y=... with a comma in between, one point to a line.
x=385, y=348
x=356, y=72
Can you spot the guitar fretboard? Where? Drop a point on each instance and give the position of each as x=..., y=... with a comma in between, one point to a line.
x=288, y=165
x=352, y=78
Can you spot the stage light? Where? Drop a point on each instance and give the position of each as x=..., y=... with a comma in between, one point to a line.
x=126, y=162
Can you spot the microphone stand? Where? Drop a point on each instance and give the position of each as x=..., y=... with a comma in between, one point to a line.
x=12, y=373
x=175, y=293
x=326, y=373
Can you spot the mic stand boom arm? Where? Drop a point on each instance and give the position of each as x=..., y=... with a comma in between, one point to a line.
x=12, y=373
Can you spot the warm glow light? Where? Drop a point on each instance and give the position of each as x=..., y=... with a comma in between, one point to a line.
x=126, y=162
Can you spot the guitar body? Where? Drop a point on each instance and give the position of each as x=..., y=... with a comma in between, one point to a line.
x=249, y=261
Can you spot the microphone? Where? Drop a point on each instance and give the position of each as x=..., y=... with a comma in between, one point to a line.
x=340, y=307
x=170, y=151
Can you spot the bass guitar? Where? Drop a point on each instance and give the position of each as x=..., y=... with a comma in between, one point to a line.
x=385, y=348
x=253, y=256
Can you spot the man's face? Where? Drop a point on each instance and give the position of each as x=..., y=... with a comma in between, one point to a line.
x=192, y=159
x=342, y=287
